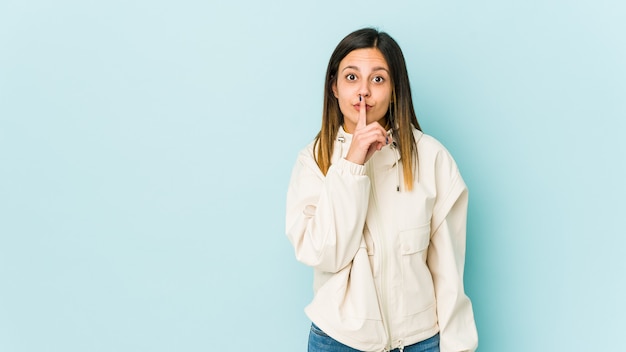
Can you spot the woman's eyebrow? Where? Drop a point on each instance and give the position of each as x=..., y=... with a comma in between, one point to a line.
x=380, y=68
x=377, y=68
x=350, y=67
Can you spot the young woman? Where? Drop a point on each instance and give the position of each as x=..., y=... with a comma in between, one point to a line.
x=378, y=209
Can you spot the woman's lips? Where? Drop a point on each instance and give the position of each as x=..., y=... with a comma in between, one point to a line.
x=358, y=107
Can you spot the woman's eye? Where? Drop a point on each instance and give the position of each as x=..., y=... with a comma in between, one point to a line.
x=378, y=79
x=351, y=77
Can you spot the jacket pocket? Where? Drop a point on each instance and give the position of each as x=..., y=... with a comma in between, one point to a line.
x=414, y=240
x=417, y=284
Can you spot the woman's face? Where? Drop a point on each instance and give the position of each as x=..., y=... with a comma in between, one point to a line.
x=363, y=72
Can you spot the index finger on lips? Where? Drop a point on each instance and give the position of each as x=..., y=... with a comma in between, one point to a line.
x=362, y=122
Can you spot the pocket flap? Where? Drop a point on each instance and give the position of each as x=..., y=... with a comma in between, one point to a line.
x=414, y=240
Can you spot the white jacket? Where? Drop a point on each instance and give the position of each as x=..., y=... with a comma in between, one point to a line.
x=388, y=264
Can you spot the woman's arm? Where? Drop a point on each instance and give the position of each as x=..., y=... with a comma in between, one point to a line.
x=446, y=260
x=326, y=215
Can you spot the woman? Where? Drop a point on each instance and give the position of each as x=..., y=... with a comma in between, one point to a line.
x=378, y=209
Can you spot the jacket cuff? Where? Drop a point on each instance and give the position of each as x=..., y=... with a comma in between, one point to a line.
x=347, y=166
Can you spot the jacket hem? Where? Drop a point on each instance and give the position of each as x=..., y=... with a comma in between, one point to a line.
x=348, y=339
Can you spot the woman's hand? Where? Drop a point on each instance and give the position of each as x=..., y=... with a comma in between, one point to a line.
x=366, y=139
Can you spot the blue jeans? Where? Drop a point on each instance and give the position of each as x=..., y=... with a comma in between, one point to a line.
x=320, y=342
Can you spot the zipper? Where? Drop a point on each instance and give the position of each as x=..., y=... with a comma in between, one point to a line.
x=383, y=261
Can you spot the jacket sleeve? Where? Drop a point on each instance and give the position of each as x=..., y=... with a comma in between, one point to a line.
x=326, y=214
x=446, y=260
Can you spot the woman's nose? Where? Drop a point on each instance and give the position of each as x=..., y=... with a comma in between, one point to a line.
x=364, y=90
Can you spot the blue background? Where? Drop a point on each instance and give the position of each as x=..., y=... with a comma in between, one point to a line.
x=146, y=148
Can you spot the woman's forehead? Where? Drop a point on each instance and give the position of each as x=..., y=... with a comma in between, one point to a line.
x=367, y=56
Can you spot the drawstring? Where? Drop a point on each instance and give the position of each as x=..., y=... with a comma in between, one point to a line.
x=394, y=146
x=399, y=348
x=341, y=139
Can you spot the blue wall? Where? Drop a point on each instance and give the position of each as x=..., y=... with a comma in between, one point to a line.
x=146, y=147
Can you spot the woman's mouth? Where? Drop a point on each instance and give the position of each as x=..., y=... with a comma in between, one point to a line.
x=358, y=107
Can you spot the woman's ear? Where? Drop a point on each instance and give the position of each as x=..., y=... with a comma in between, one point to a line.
x=334, y=87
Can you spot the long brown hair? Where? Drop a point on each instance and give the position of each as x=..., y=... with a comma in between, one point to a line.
x=400, y=116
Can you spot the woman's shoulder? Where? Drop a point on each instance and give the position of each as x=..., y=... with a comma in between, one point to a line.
x=306, y=157
x=427, y=143
x=308, y=151
x=431, y=151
